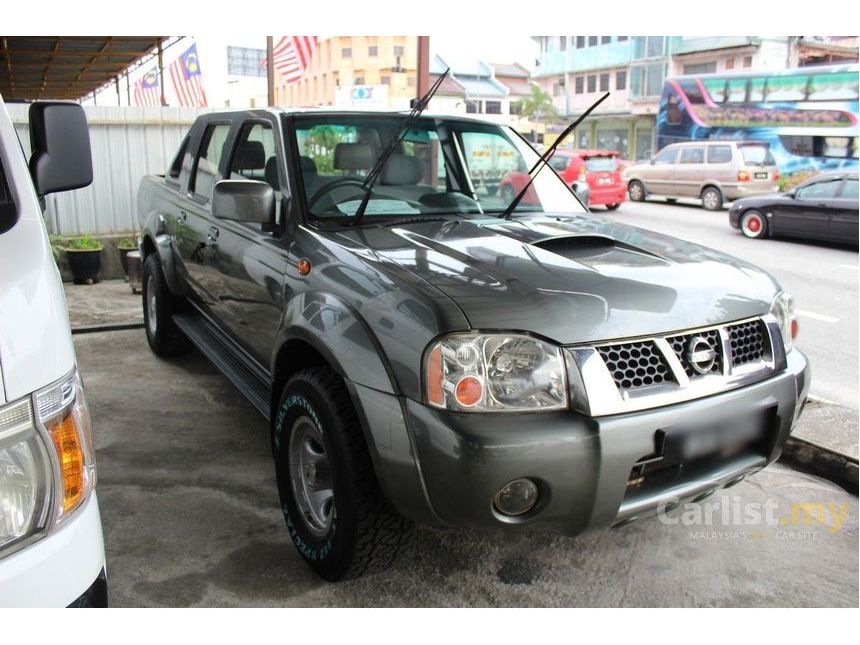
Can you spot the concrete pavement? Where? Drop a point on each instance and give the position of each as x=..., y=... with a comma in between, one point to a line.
x=190, y=513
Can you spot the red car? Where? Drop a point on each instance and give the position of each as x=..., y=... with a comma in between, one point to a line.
x=594, y=174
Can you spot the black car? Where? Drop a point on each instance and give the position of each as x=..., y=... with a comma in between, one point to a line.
x=821, y=208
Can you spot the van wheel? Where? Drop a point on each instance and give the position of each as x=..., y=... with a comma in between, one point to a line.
x=159, y=305
x=612, y=207
x=507, y=194
x=335, y=512
x=671, y=200
x=636, y=191
x=712, y=199
x=754, y=225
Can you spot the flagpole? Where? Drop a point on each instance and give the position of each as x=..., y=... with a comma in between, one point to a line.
x=270, y=69
x=161, y=73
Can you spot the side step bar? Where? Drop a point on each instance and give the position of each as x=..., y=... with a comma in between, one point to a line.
x=213, y=344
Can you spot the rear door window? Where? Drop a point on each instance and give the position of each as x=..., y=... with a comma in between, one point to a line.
x=693, y=154
x=849, y=189
x=719, y=154
x=207, y=166
x=7, y=204
x=757, y=155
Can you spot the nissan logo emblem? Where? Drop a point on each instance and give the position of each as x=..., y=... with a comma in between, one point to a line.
x=700, y=354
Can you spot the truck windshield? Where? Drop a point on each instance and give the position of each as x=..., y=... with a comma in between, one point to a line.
x=441, y=167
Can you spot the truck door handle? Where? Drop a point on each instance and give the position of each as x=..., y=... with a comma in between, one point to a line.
x=183, y=215
x=212, y=235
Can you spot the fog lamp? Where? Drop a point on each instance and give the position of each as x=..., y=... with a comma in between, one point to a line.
x=516, y=497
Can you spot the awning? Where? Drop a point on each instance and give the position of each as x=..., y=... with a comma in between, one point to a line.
x=66, y=67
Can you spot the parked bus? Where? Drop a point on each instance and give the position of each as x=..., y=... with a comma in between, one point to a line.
x=808, y=115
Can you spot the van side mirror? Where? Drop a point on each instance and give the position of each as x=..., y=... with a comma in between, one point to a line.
x=60, y=142
x=244, y=200
x=792, y=193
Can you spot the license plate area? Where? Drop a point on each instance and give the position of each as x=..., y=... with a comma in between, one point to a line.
x=682, y=450
x=760, y=175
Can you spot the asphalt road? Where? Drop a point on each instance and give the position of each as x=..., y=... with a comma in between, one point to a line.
x=823, y=279
x=191, y=518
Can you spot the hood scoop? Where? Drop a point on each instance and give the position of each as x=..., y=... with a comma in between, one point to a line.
x=599, y=250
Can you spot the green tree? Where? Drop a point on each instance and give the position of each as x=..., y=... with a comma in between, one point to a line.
x=538, y=105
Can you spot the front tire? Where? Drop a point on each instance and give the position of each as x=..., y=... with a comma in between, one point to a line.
x=336, y=515
x=753, y=225
x=712, y=199
x=159, y=305
x=636, y=191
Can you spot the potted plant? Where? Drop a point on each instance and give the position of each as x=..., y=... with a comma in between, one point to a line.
x=85, y=259
x=125, y=246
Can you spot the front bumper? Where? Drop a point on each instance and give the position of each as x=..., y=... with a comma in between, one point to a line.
x=582, y=464
x=58, y=569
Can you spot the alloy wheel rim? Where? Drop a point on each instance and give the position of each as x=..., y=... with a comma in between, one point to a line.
x=151, y=311
x=753, y=225
x=310, y=477
x=635, y=192
x=711, y=199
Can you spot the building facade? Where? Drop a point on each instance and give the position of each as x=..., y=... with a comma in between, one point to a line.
x=577, y=70
x=357, y=71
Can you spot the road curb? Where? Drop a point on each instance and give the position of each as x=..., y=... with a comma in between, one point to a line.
x=92, y=329
x=821, y=462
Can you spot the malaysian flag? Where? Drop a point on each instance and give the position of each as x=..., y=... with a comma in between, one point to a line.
x=146, y=90
x=187, y=79
x=292, y=55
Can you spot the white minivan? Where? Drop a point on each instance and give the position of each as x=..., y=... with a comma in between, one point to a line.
x=51, y=545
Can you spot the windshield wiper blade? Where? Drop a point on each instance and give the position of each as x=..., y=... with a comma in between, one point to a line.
x=545, y=157
x=376, y=171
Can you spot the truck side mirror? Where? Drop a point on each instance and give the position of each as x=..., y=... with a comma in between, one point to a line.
x=60, y=142
x=243, y=200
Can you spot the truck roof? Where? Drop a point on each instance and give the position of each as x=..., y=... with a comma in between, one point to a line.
x=341, y=111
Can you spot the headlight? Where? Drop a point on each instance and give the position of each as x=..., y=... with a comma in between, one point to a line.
x=47, y=466
x=494, y=373
x=783, y=310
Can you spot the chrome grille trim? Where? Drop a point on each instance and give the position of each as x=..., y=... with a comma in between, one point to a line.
x=603, y=394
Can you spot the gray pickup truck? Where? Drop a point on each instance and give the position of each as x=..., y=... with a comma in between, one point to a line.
x=426, y=352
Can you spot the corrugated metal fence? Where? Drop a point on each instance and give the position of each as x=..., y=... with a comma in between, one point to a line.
x=127, y=143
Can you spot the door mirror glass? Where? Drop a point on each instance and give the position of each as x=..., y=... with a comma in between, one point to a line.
x=60, y=141
x=242, y=200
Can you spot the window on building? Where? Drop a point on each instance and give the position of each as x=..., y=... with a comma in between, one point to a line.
x=622, y=39
x=373, y=51
x=398, y=51
x=612, y=140
x=473, y=107
x=701, y=68
x=557, y=89
x=515, y=108
x=646, y=79
x=730, y=62
x=493, y=107
x=747, y=61
x=562, y=43
x=244, y=61
x=604, y=82
x=579, y=84
x=592, y=83
x=580, y=42
x=592, y=41
x=604, y=40
x=410, y=81
x=621, y=79
x=359, y=80
x=346, y=52
x=385, y=80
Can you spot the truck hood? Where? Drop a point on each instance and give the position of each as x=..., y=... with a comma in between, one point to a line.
x=572, y=279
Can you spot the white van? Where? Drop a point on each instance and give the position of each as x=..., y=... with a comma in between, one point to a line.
x=51, y=546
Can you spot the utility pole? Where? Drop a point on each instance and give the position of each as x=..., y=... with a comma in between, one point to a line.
x=423, y=83
x=270, y=69
x=118, y=93
x=161, y=72
x=127, y=89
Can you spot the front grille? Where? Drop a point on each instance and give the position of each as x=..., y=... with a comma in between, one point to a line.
x=748, y=340
x=680, y=345
x=634, y=365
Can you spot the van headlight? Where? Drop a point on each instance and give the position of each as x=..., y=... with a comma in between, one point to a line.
x=471, y=372
x=47, y=465
x=783, y=310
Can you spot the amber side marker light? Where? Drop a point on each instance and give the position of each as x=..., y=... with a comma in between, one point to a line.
x=434, y=377
x=71, y=456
